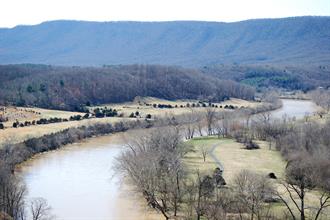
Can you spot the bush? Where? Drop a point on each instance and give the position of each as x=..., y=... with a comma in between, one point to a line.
x=250, y=145
x=272, y=176
x=2, y=126
x=42, y=121
x=75, y=118
x=217, y=176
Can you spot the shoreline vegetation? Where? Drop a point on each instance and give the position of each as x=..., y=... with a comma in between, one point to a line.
x=236, y=124
x=32, y=146
x=154, y=164
x=14, y=154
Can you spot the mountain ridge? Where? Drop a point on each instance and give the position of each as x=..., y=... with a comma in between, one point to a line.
x=294, y=41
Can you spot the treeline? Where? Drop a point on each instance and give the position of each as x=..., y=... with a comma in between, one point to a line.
x=73, y=88
x=305, y=145
x=17, y=153
x=263, y=77
x=153, y=162
x=321, y=97
x=193, y=105
x=13, y=191
x=96, y=113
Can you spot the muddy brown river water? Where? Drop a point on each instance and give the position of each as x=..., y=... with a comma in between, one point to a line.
x=78, y=180
x=295, y=108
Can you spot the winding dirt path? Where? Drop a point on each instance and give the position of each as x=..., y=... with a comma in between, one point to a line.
x=215, y=158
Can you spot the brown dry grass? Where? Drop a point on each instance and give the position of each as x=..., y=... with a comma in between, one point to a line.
x=16, y=135
x=29, y=114
x=235, y=158
x=139, y=105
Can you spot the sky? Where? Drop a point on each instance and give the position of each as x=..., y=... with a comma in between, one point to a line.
x=18, y=12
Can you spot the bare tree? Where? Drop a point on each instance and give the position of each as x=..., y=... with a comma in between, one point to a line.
x=303, y=174
x=153, y=165
x=210, y=119
x=200, y=124
x=252, y=190
x=221, y=205
x=189, y=120
x=40, y=210
x=201, y=192
x=321, y=97
x=12, y=193
x=204, y=153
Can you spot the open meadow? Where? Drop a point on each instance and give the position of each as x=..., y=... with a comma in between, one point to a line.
x=234, y=157
x=19, y=134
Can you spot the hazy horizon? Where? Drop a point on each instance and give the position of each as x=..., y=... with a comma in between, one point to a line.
x=15, y=12
x=155, y=21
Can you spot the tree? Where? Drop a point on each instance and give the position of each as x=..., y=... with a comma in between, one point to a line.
x=223, y=202
x=153, y=164
x=40, y=210
x=252, y=190
x=210, y=119
x=12, y=193
x=16, y=124
x=200, y=124
x=189, y=120
x=304, y=173
x=204, y=153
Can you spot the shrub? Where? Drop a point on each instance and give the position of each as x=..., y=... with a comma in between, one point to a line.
x=251, y=145
x=272, y=176
x=75, y=118
x=2, y=126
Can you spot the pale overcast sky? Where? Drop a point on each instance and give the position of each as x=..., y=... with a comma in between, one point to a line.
x=14, y=12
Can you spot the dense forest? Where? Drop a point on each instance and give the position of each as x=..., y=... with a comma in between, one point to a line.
x=72, y=88
x=273, y=76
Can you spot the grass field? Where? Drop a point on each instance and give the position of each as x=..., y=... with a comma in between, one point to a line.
x=29, y=114
x=140, y=106
x=16, y=135
x=235, y=158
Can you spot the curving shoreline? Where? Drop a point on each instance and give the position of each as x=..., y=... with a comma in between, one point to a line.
x=81, y=140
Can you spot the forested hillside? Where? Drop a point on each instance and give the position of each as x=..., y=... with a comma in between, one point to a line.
x=294, y=41
x=71, y=88
x=300, y=77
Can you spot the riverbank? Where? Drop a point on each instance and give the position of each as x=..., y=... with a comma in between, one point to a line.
x=82, y=174
x=84, y=157
x=17, y=153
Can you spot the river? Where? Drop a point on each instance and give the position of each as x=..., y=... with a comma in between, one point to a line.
x=79, y=183
x=295, y=108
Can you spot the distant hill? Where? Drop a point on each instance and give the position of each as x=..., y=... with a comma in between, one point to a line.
x=70, y=88
x=299, y=40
